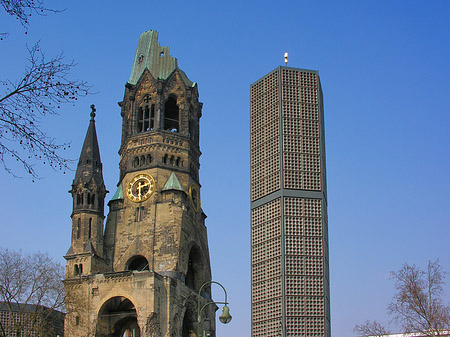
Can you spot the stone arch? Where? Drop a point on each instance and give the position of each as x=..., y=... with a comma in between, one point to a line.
x=138, y=263
x=171, y=114
x=195, y=268
x=136, y=161
x=189, y=323
x=117, y=317
x=175, y=327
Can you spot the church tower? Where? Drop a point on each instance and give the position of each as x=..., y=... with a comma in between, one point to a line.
x=141, y=276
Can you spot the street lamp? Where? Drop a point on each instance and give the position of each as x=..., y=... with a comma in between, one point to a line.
x=224, y=318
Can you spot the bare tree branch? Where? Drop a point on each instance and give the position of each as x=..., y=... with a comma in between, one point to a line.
x=41, y=91
x=417, y=304
x=370, y=328
x=22, y=10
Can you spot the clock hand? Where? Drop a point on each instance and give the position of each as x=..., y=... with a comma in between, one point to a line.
x=140, y=190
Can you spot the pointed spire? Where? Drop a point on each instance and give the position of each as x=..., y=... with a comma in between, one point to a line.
x=90, y=165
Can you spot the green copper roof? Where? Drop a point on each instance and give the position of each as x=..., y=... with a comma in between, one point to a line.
x=119, y=194
x=150, y=55
x=172, y=183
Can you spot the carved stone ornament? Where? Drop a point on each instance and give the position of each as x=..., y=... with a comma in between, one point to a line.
x=152, y=328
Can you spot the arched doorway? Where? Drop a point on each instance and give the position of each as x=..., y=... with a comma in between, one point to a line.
x=188, y=327
x=117, y=318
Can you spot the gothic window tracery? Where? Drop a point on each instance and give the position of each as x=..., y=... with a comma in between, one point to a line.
x=146, y=117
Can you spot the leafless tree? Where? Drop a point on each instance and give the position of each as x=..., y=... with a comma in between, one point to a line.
x=31, y=289
x=417, y=305
x=370, y=328
x=41, y=91
x=45, y=85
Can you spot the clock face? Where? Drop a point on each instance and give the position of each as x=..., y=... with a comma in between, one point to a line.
x=194, y=195
x=141, y=187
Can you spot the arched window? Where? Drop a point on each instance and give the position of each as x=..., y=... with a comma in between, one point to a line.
x=165, y=159
x=191, y=129
x=90, y=228
x=136, y=162
x=194, y=275
x=90, y=199
x=79, y=198
x=149, y=159
x=177, y=162
x=139, y=214
x=140, y=125
x=152, y=117
x=138, y=263
x=76, y=271
x=171, y=115
x=171, y=160
x=100, y=202
x=142, y=161
x=78, y=228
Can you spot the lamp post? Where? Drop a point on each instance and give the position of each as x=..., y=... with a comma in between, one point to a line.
x=224, y=318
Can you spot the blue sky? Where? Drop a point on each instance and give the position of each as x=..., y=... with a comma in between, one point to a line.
x=384, y=67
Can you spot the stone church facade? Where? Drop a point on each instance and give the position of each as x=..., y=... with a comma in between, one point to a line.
x=139, y=273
